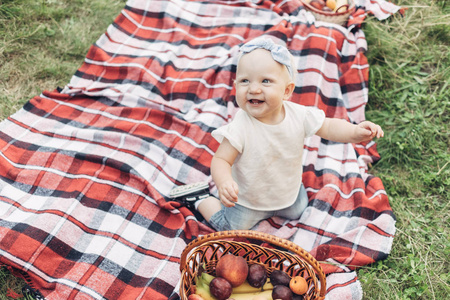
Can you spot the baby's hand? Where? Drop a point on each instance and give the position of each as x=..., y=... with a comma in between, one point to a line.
x=228, y=192
x=367, y=131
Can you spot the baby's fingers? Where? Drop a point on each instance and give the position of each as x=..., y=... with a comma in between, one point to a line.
x=231, y=192
x=228, y=197
x=227, y=202
x=380, y=132
x=375, y=130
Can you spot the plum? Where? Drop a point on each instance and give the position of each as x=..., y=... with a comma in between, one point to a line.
x=282, y=292
x=257, y=275
x=278, y=277
x=220, y=288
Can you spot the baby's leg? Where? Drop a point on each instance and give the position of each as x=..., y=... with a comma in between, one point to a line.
x=208, y=207
x=294, y=211
x=237, y=218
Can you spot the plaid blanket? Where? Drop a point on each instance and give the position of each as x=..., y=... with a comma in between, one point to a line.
x=85, y=172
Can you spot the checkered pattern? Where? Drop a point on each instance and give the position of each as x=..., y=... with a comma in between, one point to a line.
x=85, y=172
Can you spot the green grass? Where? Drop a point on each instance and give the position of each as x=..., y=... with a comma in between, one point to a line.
x=409, y=95
x=42, y=43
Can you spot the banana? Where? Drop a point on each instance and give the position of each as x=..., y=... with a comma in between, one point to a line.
x=206, y=278
x=247, y=288
x=205, y=294
x=264, y=295
x=202, y=286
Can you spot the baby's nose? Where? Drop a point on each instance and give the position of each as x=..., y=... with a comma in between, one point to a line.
x=255, y=88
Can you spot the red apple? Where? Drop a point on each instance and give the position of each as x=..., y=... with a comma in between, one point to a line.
x=233, y=268
x=319, y=4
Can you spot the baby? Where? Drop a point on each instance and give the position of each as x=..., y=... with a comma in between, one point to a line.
x=258, y=166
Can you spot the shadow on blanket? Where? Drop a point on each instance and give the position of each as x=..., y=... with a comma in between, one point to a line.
x=85, y=172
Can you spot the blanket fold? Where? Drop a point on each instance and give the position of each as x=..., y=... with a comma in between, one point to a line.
x=85, y=172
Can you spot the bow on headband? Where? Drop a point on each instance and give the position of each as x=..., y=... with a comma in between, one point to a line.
x=279, y=53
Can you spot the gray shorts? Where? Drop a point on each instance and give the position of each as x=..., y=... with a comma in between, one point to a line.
x=240, y=217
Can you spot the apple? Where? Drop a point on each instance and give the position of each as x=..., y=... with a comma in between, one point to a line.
x=233, y=268
x=319, y=4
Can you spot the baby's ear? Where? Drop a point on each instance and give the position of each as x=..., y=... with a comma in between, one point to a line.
x=289, y=90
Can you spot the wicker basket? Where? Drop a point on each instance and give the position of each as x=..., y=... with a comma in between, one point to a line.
x=331, y=17
x=206, y=251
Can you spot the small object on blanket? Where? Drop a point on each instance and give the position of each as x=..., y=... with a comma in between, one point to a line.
x=187, y=189
x=189, y=194
x=331, y=11
x=202, y=255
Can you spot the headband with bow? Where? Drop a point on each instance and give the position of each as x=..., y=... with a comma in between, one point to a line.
x=279, y=53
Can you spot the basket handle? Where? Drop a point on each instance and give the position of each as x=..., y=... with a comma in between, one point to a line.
x=251, y=234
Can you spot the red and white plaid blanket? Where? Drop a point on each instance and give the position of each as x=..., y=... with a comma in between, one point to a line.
x=85, y=172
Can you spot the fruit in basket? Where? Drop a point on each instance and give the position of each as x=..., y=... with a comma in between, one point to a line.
x=282, y=292
x=247, y=288
x=319, y=4
x=257, y=275
x=195, y=297
x=203, y=292
x=261, y=295
x=278, y=277
x=341, y=6
x=243, y=292
x=202, y=286
x=220, y=288
x=298, y=285
x=233, y=268
x=331, y=4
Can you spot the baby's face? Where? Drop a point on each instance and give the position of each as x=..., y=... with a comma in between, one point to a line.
x=262, y=84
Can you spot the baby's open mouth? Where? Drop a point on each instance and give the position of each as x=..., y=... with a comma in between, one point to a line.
x=255, y=101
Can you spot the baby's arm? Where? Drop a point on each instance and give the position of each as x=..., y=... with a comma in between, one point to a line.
x=221, y=164
x=338, y=130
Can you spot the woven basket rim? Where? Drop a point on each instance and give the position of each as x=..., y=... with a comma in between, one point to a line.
x=350, y=9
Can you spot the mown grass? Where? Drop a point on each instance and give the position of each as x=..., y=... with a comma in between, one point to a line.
x=42, y=43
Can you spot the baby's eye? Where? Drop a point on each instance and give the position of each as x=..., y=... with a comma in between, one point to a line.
x=243, y=81
x=266, y=80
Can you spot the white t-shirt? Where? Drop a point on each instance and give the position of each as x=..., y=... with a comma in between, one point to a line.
x=268, y=168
